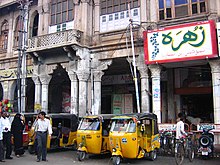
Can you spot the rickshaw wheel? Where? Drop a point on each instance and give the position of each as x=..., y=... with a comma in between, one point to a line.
x=116, y=160
x=81, y=155
x=31, y=149
x=153, y=155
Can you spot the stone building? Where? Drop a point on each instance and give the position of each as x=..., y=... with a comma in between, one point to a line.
x=80, y=58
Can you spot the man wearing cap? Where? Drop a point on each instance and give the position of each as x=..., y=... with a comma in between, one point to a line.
x=7, y=134
x=43, y=128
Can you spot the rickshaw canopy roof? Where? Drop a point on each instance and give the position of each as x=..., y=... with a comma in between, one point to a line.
x=138, y=116
x=103, y=116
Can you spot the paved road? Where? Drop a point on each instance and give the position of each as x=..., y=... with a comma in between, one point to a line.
x=69, y=158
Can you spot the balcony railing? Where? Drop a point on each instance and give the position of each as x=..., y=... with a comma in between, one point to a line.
x=54, y=40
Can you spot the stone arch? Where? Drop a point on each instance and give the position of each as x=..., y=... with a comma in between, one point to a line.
x=30, y=90
x=1, y=92
x=59, y=91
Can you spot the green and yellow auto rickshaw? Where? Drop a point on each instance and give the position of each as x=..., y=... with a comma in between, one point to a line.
x=64, y=127
x=134, y=136
x=93, y=135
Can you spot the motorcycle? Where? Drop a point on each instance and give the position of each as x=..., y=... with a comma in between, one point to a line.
x=206, y=145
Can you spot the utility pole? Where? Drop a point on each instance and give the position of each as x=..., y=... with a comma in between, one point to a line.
x=22, y=56
x=134, y=63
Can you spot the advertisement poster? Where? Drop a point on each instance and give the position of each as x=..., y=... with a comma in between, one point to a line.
x=128, y=108
x=117, y=104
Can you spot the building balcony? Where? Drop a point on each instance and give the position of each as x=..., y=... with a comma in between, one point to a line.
x=55, y=40
x=4, y=3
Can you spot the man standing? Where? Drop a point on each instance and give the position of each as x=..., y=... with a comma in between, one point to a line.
x=1, y=141
x=43, y=128
x=7, y=134
x=180, y=132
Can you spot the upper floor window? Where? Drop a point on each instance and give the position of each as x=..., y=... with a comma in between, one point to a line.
x=4, y=36
x=61, y=11
x=18, y=28
x=169, y=9
x=113, y=6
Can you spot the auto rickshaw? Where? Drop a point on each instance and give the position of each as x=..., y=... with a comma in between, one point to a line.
x=93, y=135
x=64, y=127
x=134, y=136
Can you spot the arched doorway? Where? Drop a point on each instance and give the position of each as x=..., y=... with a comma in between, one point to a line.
x=118, y=89
x=59, y=91
x=30, y=91
x=1, y=92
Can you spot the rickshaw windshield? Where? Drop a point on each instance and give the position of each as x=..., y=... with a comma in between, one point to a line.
x=89, y=124
x=123, y=125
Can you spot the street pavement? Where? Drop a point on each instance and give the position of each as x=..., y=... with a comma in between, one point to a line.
x=68, y=157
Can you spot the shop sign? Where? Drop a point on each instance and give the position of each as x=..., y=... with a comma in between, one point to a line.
x=180, y=43
x=11, y=74
x=117, y=79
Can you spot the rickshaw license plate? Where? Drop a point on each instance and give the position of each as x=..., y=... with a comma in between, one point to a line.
x=204, y=153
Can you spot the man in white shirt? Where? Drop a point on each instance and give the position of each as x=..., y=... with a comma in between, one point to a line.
x=180, y=132
x=7, y=134
x=43, y=129
x=1, y=141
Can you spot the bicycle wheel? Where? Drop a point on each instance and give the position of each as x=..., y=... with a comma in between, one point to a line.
x=191, y=154
x=179, y=154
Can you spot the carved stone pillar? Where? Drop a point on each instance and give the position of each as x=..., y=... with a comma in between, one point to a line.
x=83, y=77
x=96, y=107
x=74, y=93
x=97, y=73
x=156, y=93
x=45, y=79
x=145, y=105
x=37, y=100
x=215, y=67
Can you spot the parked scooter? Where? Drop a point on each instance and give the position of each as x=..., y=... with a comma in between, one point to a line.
x=206, y=141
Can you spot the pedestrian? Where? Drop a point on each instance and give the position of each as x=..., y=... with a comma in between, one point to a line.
x=180, y=132
x=7, y=134
x=1, y=140
x=44, y=128
x=17, y=128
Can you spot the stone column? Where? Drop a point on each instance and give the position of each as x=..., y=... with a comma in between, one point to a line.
x=37, y=100
x=170, y=96
x=156, y=93
x=83, y=77
x=45, y=79
x=96, y=107
x=145, y=93
x=74, y=93
x=215, y=67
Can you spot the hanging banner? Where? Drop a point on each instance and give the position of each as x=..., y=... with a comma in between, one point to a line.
x=181, y=43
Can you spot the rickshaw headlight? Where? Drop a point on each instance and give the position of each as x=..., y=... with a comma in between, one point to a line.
x=113, y=150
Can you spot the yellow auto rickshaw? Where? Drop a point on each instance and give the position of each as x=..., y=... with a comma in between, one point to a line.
x=64, y=127
x=134, y=136
x=93, y=135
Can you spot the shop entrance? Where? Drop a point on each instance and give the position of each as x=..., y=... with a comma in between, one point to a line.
x=118, y=89
x=199, y=106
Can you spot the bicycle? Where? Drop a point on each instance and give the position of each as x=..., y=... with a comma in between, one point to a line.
x=184, y=148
